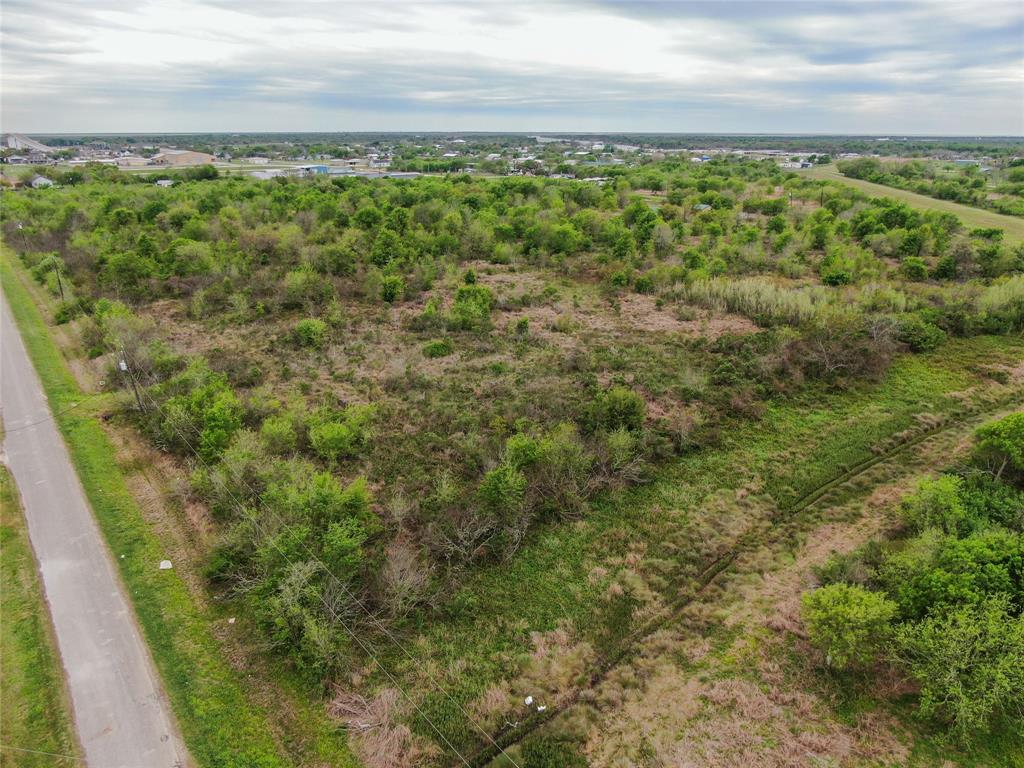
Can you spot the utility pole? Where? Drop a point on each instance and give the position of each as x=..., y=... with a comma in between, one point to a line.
x=60, y=283
x=123, y=364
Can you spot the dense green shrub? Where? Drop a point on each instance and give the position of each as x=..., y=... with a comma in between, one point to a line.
x=914, y=268
x=619, y=407
x=919, y=335
x=392, y=288
x=438, y=348
x=849, y=624
x=472, y=307
x=343, y=436
x=279, y=434
x=937, y=504
x=204, y=417
x=310, y=333
x=503, y=492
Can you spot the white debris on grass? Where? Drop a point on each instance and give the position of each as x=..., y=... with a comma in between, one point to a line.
x=166, y=565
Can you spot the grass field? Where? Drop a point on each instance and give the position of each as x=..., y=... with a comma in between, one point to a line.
x=35, y=713
x=659, y=538
x=972, y=217
x=219, y=720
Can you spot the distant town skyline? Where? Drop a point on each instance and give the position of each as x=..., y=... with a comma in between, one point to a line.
x=892, y=68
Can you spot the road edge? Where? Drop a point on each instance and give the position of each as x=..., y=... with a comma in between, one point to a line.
x=217, y=723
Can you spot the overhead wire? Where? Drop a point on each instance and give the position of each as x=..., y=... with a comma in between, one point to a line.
x=376, y=622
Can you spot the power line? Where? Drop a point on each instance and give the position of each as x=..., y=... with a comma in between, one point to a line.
x=40, y=752
x=330, y=610
x=52, y=416
x=349, y=593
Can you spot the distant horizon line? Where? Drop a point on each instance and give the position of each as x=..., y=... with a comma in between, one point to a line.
x=810, y=134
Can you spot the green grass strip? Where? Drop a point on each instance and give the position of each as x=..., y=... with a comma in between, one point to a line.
x=221, y=728
x=34, y=710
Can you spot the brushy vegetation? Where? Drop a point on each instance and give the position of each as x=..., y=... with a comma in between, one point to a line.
x=35, y=713
x=221, y=725
x=382, y=390
x=942, y=603
x=966, y=184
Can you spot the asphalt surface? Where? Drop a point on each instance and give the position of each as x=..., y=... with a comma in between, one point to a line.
x=121, y=714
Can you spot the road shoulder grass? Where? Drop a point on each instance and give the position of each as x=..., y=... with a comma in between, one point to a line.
x=220, y=724
x=35, y=711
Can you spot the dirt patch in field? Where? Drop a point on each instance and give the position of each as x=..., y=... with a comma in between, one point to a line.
x=643, y=313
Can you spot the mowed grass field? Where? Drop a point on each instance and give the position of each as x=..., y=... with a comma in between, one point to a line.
x=972, y=217
x=35, y=714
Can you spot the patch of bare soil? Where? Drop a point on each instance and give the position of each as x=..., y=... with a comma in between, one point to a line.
x=642, y=312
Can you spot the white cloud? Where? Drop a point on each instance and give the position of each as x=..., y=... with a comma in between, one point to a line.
x=940, y=67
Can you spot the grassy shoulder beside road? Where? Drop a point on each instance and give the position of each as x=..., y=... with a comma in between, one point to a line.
x=35, y=712
x=972, y=217
x=220, y=724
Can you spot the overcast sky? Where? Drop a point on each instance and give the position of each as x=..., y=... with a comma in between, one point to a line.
x=324, y=65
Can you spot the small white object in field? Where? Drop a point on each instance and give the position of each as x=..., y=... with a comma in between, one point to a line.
x=541, y=707
x=166, y=565
x=528, y=700
x=231, y=620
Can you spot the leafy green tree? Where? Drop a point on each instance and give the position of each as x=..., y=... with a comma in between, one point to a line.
x=1000, y=445
x=125, y=272
x=969, y=664
x=937, y=504
x=387, y=247
x=848, y=623
x=934, y=573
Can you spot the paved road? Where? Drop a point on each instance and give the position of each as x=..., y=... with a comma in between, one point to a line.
x=122, y=717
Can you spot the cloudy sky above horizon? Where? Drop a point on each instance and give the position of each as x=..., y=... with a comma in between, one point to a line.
x=938, y=67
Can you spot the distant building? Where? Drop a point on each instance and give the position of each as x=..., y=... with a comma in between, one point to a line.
x=181, y=157
x=264, y=175
x=256, y=160
x=20, y=141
